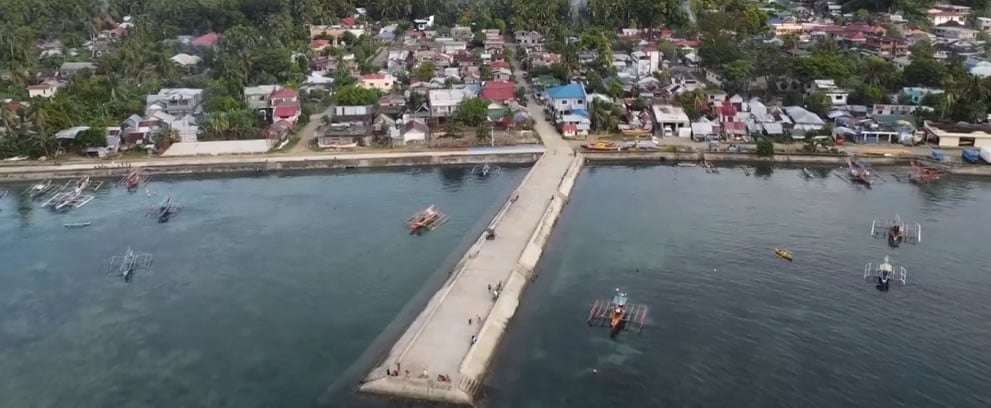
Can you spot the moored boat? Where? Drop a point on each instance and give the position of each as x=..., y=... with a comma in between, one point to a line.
x=73, y=225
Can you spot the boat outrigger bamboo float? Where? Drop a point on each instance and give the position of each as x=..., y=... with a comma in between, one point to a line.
x=897, y=231
x=74, y=225
x=70, y=195
x=618, y=314
x=166, y=210
x=128, y=264
x=885, y=272
x=427, y=219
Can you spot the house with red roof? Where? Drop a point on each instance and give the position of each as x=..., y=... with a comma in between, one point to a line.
x=285, y=105
x=499, y=91
x=208, y=40
x=349, y=22
x=43, y=90
x=319, y=44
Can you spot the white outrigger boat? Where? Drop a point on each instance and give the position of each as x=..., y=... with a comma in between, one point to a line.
x=885, y=272
x=70, y=196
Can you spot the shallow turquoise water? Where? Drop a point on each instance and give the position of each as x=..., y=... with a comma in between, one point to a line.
x=263, y=291
x=730, y=324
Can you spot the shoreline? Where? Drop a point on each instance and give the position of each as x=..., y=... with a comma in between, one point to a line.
x=265, y=164
x=718, y=158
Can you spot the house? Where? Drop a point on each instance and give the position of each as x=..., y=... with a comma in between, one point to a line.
x=392, y=104
x=770, y=121
x=958, y=134
x=579, y=118
x=285, y=105
x=837, y=96
x=453, y=47
x=671, y=121
x=319, y=44
x=208, y=40
x=462, y=33
x=502, y=74
x=702, y=129
x=983, y=23
x=444, y=102
x=941, y=14
x=886, y=110
x=803, y=120
x=732, y=127
x=955, y=33
x=348, y=126
x=43, y=90
x=175, y=101
x=529, y=39
x=382, y=82
x=499, y=91
x=566, y=98
x=916, y=94
x=185, y=126
x=258, y=97
x=415, y=131
x=68, y=69
x=422, y=24
x=646, y=60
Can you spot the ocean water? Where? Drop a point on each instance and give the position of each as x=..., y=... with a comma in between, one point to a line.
x=268, y=292
x=730, y=324
x=263, y=291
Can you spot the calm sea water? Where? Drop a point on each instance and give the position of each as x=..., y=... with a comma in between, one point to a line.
x=267, y=290
x=730, y=324
x=263, y=291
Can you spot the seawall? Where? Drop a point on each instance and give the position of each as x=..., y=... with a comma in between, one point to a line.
x=259, y=165
x=437, y=341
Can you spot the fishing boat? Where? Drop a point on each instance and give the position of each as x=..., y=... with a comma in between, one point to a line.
x=602, y=147
x=860, y=172
x=922, y=174
x=73, y=225
x=618, y=314
x=884, y=273
x=783, y=254
x=40, y=189
x=166, y=210
x=133, y=180
x=687, y=164
x=426, y=220
x=807, y=173
x=128, y=264
x=70, y=196
x=746, y=170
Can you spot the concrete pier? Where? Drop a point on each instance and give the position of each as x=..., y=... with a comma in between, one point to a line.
x=440, y=340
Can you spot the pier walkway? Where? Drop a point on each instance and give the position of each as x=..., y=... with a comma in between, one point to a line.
x=441, y=338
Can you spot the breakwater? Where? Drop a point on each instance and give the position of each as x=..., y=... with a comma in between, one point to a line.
x=446, y=351
x=263, y=164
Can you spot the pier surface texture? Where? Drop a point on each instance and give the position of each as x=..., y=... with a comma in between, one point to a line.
x=441, y=341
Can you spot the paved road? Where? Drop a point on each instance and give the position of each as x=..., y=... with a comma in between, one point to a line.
x=440, y=337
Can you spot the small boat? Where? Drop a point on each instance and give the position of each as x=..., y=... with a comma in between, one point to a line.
x=73, y=225
x=783, y=254
x=602, y=146
x=808, y=173
x=687, y=164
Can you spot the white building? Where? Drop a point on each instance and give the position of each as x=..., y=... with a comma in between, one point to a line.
x=382, y=82
x=671, y=121
x=646, y=61
x=45, y=90
x=443, y=102
x=837, y=95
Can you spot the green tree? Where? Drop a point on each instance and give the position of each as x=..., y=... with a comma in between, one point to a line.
x=353, y=95
x=425, y=71
x=472, y=112
x=765, y=148
x=818, y=103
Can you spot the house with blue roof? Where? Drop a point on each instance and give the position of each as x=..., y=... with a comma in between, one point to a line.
x=566, y=98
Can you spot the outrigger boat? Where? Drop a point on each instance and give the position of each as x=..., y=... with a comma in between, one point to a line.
x=858, y=172
x=807, y=173
x=618, y=314
x=40, y=189
x=485, y=170
x=133, y=180
x=70, y=196
x=884, y=273
x=603, y=147
x=897, y=231
x=427, y=219
x=746, y=170
x=922, y=174
x=166, y=210
x=128, y=264
x=783, y=254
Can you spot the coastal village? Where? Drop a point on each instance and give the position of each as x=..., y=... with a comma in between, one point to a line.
x=812, y=77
